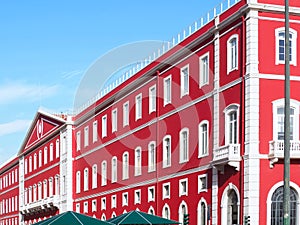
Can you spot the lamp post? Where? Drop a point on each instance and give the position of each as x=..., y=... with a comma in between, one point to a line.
x=286, y=186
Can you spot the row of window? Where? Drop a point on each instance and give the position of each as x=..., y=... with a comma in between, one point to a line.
x=42, y=190
x=10, y=221
x=41, y=158
x=166, y=194
x=9, y=205
x=9, y=179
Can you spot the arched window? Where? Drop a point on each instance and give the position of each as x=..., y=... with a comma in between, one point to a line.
x=202, y=212
x=35, y=161
x=57, y=191
x=277, y=207
x=30, y=164
x=203, y=139
x=34, y=193
x=40, y=192
x=167, y=151
x=150, y=211
x=230, y=205
x=95, y=176
x=114, y=169
x=103, y=173
x=184, y=145
x=25, y=166
x=50, y=186
x=51, y=152
x=86, y=179
x=166, y=212
x=232, y=53
x=45, y=189
x=138, y=161
x=151, y=156
x=182, y=211
x=125, y=173
x=45, y=155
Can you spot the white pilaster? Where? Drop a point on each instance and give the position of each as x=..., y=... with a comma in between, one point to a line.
x=21, y=188
x=251, y=159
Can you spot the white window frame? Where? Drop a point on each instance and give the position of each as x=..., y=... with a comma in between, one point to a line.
x=126, y=114
x=183, y=192
x=86, y=207
x=114, y=169
x=203, y=152
x=167, y=90
x=152, y=99
x=86, y=179
x=228, y=110
x=57, y=148
x=232, y=60
x=138, y=106
x=78, y=207
x=167, y=153
x=137, y=196
x=114, y=120
x=184, y=81
x=293, y=46
x=35, y=161
x=200, y=183
x=103, y=203
x=165, y=194
x=151, y=194
x=78, y=182
x=204, y=70
x=151, y=157
x=94, y=176
x=104, y=173
x=86, y=136
x=94, y=205
x=104, y=126
x=78, y=141
x=125, y=166
x=183, y=153
x=125, y=199
x=293, y=104
x=114, y=201
x=51, y=152
x=95, y=131
x=138, y=161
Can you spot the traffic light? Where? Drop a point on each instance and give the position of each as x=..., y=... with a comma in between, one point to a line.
x=247, y=220
x=186, y=219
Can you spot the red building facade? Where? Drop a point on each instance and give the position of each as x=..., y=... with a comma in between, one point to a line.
x=197, y=131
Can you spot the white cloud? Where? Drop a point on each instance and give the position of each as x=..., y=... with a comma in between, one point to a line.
x=14, y=127
x=17, y=91
x=71, y=74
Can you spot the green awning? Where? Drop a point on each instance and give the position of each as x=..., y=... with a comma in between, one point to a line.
x=137, y=217
x=72, y=218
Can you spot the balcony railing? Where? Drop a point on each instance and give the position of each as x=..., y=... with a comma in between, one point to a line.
x=228, y=154
x=276, y=150
x=40, y=205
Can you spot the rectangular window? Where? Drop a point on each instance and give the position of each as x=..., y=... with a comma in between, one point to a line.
x=138, y=107
x=167, y=90
x=183, y=187
x=151, y=194
x=85, y=207
x=78, y=141
x=138, y=161
x=104, y=126
x=94, y=205
x=202, y=183
x=204, y=70
x=51, y=152
x=167, y=151
x=166, y=191
x=78, y=207
x=86, y=136
x=95, y=131
x=125, y=114
x=184, y=80
x=125, y=199
x=103, y=203
x=232, y=53
x=152, y=99
x=203, y=139
x=114, y=120
x=184, y=145
x=113, y=201
x=137, y=196
x=151, y=157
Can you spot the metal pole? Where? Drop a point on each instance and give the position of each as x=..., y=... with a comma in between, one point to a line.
x=286, y=187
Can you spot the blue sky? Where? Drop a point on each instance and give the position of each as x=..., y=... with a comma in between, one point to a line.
x=47, y=46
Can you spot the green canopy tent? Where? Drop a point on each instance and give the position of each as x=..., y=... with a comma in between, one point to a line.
x=140, y=218
x=72, y=218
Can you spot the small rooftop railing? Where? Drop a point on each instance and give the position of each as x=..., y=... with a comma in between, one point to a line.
x=185, y=33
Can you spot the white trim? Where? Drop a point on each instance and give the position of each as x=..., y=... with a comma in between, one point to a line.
x=152, y=99
x=293, y=46
x=137, y=164
x=182, y=157
x=114, y=169
x=125, y=199
x=202, y=200
x=125, y=166
x=200, y=139
x=167, y=90
x=181, y=187
x=114, y=120
x=104, y=126
x=137, y=196
x=200, y=189
x=165, y=194
x=86, y=136
x=183, y=82
x=151, y=195
x=204, y=80
x=230, y=66
x=138, y=107
x=126, y=114
x=165, y=154
x=151, y=158
x=229, y=109
x=166, y=206
x=95, y=131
